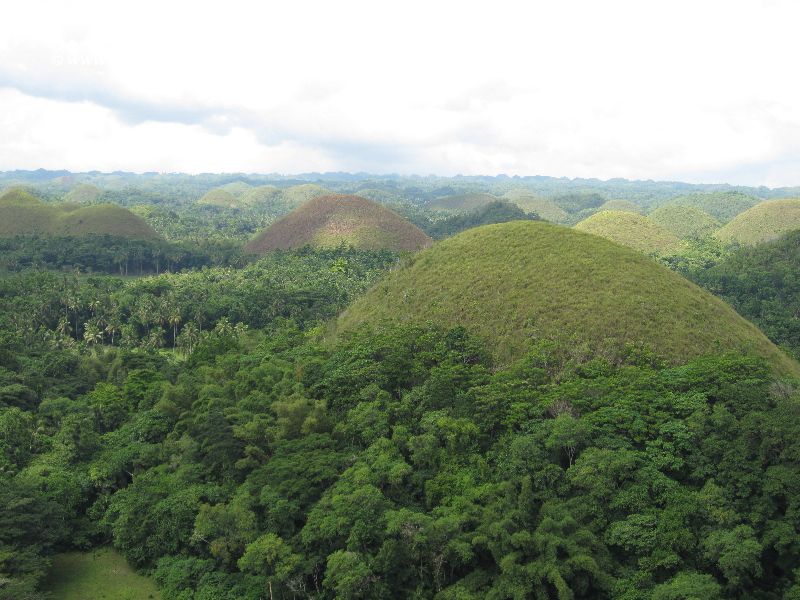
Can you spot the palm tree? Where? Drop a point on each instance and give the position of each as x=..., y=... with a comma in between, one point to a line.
x=92, y=334
x=174, y=320
x=189, y=337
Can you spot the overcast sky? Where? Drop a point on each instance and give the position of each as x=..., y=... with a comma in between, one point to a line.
x=698, y=90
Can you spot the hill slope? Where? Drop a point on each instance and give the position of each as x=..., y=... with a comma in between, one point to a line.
x=544, y=208
x=630, y=229
x=621, y=205
x=219, y=197
x=686, y=222
x=83, y=193
x=340, y=219
x=23, y=214
x=513, y=282
x=764, y=222
x=462, y=202
x=723, y=206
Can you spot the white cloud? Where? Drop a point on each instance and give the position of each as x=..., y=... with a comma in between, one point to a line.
x=678, y=90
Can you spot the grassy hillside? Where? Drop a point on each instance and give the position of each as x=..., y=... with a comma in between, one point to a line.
x=330, y=221
x=236, y=188
x=622, y=205
x=221, y=198
x=686, y=222
x=299, y=194
x=630, y=229
x=98, y=575
x=83, y=193
x=764, y=222
x=515, y=282
x=462, y=202
x=723, y=206
x=104, y=219
x=259, y=195
x=544, y=208
x=23, y=214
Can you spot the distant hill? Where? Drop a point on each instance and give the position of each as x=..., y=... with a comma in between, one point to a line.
x=330, y=221
x=499, y=211
x=83, y=193
x=762, y=223
x=723, y=206
x=260, y=195
x=686, y=222
x=462, y=202
x=298, y=194
x=236, y=188
x=630, y=229
x=544, y=208
x=621, y=205
x=515, y=283
x=23, y=214
x=221, y=198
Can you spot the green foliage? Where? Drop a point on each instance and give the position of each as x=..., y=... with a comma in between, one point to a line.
x=686, y=222
x=494, y=212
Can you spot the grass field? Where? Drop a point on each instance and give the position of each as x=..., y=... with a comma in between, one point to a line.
x=97, y=575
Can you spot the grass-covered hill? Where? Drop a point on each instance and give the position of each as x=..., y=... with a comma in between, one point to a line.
x=333, y=220
x=299, y=194
x=462, y=202
x=621, y=205
x=764, y=222
x=221, y=198
x=259, y=195
x=21, y=213
x=517, y=282
x=83, y=193
x=723, y=206
x=686, y=222
x=630, y=229
x=546, y=209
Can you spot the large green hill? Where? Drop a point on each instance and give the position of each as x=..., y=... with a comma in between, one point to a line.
x=686, y=222
x=515, y=282
x=330, y=221
x=543, y=207
x=764, y=222
x=630, y=229
x=21, y=213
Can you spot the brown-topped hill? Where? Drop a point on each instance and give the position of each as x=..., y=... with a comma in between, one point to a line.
x=332, y=220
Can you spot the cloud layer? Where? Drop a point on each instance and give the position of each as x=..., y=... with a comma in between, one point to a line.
x=673, y=90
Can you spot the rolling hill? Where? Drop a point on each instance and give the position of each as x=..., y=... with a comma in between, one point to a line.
x=23, y=214
x=762, y=223
x=723, y=206
x=83, y=193
x=544, y=208
x=517, y=282
x=330, y=221
x=686, y=222
x=622, y=205
x=630, y=229
x=462, y=202
x=299, y=194
x=259, y=195
x=221, y=198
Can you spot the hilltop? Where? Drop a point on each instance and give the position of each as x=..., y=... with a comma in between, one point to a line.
x=764, y=222
x=517, y=282
x=630, y=229
x=21, y=213
x=330, y=221
x=723, y=206
x=686, y=222
x=462, y=202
